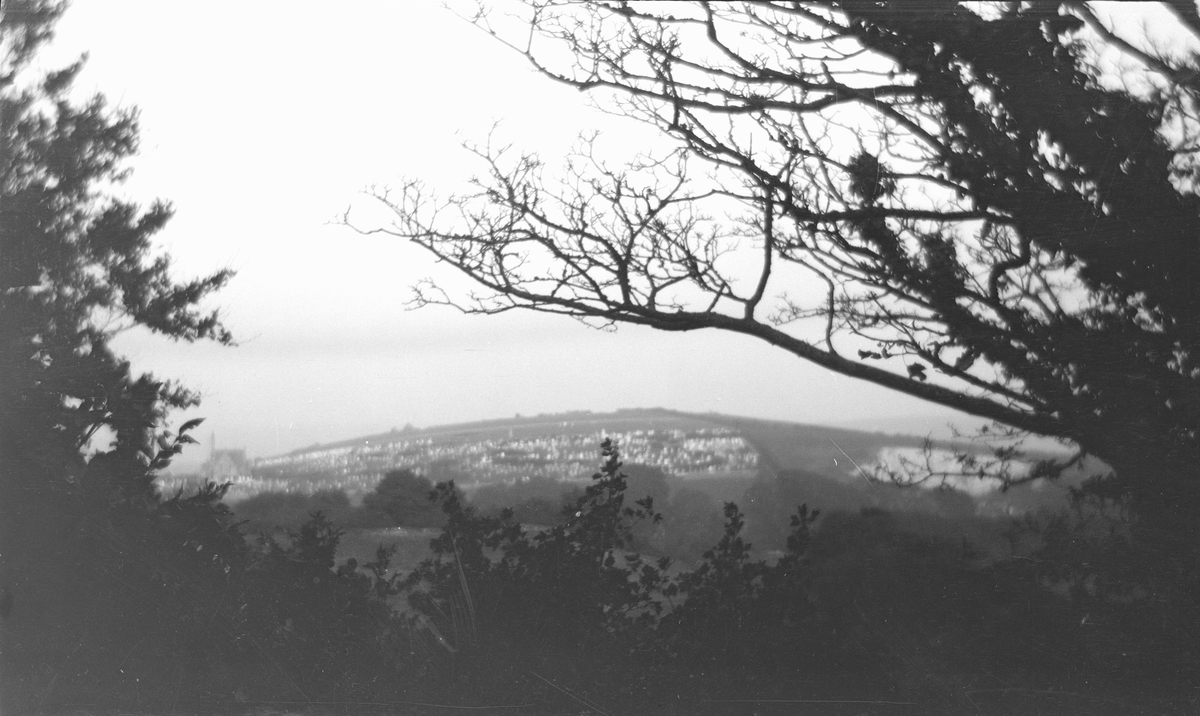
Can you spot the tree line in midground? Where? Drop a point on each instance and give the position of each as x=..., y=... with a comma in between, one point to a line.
x=946, y=242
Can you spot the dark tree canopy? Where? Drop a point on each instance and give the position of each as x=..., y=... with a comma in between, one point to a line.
x=402, y=497
x=954, y=204
x=93, y=561
x=76, y=265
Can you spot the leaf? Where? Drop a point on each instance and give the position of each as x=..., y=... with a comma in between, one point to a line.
x=193, y=423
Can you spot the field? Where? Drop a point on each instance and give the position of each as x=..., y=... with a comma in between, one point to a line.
x=412, y=545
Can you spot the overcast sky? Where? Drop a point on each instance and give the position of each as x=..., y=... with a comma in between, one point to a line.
x=261, y=121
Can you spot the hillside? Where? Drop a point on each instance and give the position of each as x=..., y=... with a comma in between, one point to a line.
x=783, y=445
x=719, y=454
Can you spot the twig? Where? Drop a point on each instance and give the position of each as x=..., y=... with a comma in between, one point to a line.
x=855, y=464
x=580, y=699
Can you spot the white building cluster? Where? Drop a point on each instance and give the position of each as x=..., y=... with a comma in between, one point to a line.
x=356, y=469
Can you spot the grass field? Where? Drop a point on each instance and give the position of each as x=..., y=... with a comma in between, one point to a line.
x=412, y=545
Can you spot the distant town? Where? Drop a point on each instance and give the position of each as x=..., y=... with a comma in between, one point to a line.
x=474, y=460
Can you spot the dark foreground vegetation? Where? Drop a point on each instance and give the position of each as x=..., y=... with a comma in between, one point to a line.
x=872, y=611
x=115, y=598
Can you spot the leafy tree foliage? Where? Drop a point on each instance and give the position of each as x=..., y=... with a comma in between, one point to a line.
x=503, y=603
x=328, y=627
x=115, y=594
x=951, y=202
x=76, y=267
x=95, y=562
x=402, y=498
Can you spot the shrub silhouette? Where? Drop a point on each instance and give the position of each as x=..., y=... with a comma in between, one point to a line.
x=401, y=498
x=499, y=604
x=328, y=629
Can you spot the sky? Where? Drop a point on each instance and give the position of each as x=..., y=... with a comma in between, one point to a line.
x=263, y=121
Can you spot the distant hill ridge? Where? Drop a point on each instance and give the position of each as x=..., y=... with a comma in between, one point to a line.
x=583, y=417
x=837, y=464
x=779, y=446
